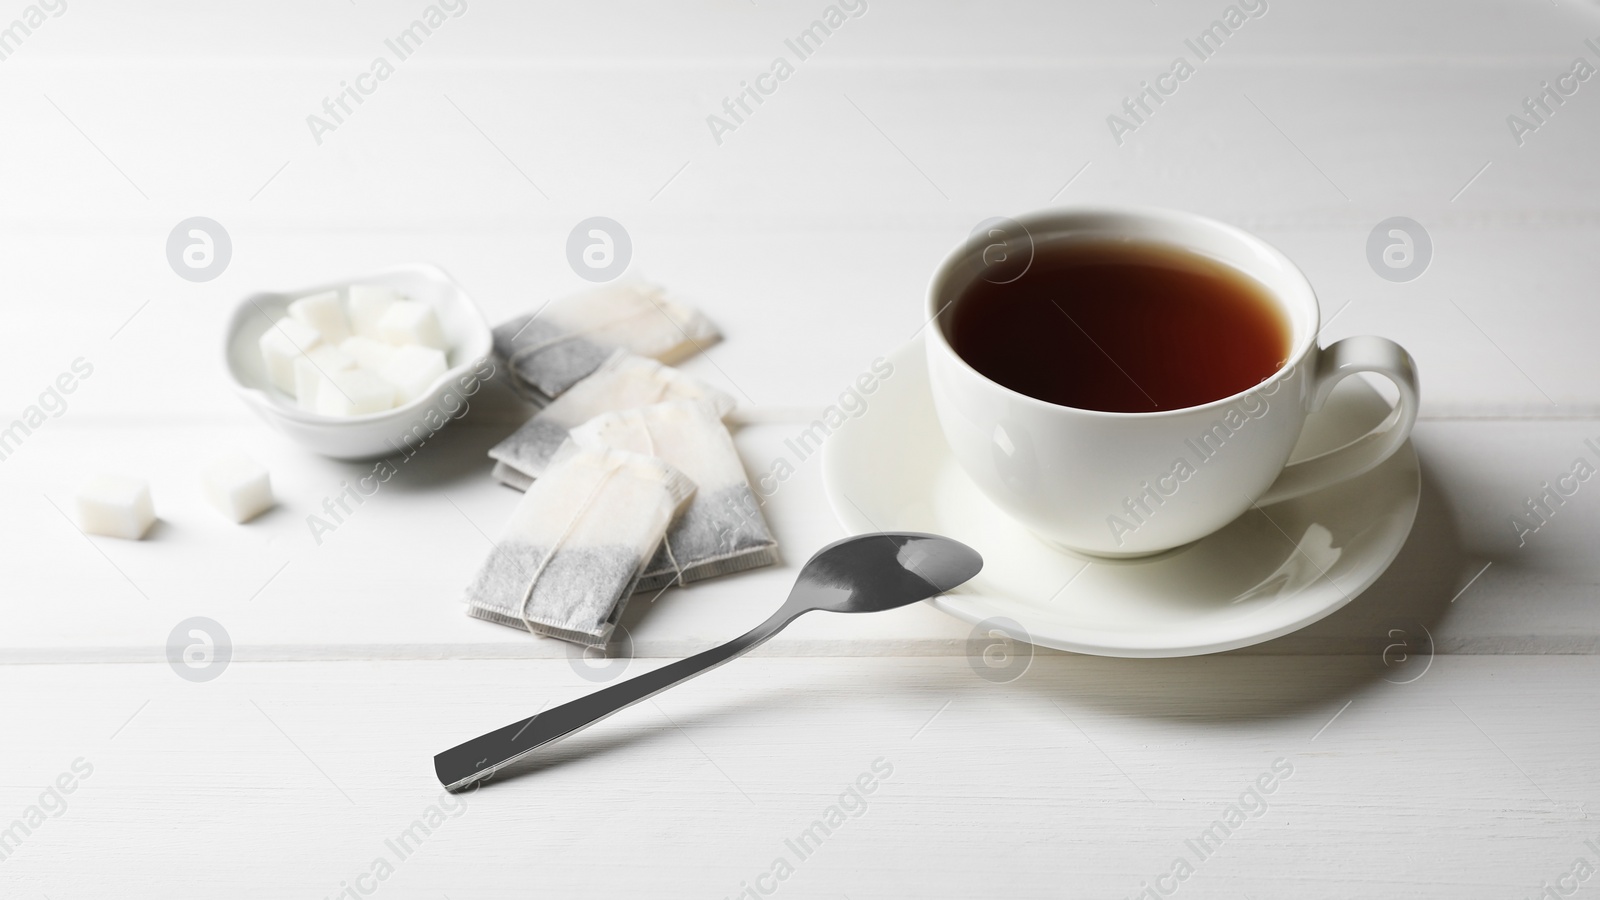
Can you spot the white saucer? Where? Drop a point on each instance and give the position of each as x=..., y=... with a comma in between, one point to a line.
x=1269, y=572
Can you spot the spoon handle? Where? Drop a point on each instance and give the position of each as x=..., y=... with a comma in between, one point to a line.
x=482, y=756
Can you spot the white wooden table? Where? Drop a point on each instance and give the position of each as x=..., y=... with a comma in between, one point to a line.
x=807, y=232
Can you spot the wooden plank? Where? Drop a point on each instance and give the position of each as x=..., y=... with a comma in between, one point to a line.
x=641, y=33
x=385, y=582
x=819, y=209
x=1481, y=353
x=1085, y=776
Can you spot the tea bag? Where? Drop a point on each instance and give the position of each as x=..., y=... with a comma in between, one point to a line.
x=550, y=350
x=722, y=529
x=577, y=543
x=623, y=382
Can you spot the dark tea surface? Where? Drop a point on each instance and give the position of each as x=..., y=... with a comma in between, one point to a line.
x=1122, y=328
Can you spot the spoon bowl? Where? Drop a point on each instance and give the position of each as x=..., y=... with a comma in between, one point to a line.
x=882, y=571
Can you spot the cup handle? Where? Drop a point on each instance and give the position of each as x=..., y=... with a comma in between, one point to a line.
x=1364, y=353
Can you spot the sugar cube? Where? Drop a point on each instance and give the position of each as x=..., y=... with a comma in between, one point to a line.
x=412, y=370
x=368, y=303
x=367, y=352
x=410, y=322
x=325, y=313
x=116, y=506
x=354, y=392
x=313, y=368
x=281, y=345
x=237, y=486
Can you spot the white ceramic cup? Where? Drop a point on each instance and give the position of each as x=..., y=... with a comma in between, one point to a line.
x=1120, y=484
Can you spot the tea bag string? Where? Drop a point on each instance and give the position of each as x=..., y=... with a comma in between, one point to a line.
x=527, y=593
x=650, y=447
x=522, y=353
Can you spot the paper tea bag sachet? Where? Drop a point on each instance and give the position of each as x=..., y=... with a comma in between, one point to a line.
x=550, y=350
x=722, y=529
x=576, y=544
x=624, y=382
